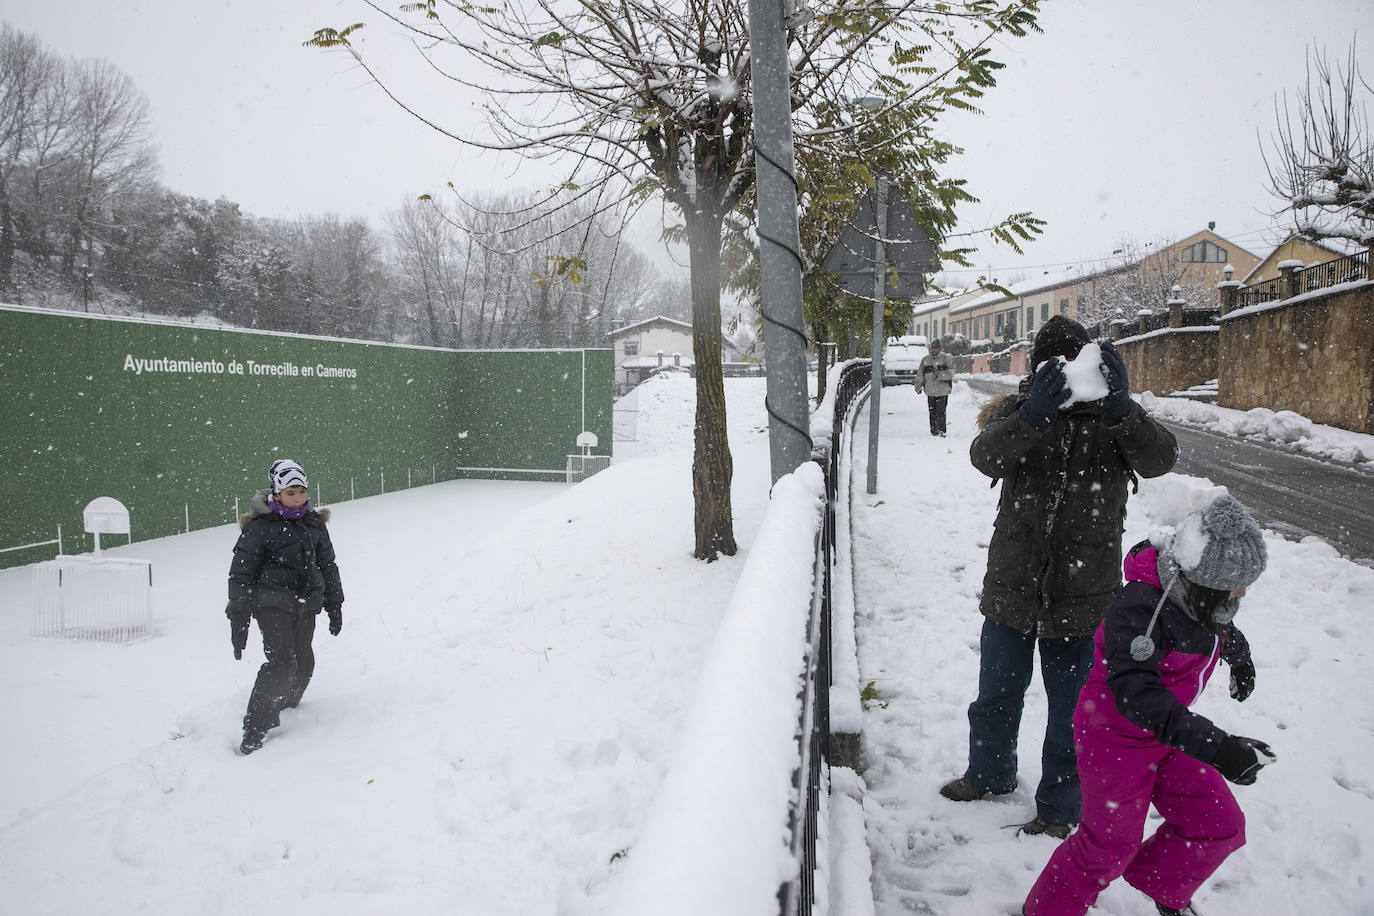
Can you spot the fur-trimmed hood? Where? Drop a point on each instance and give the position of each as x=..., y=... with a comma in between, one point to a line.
x=259, y=507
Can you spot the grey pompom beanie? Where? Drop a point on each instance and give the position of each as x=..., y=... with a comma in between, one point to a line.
x=1219, y=546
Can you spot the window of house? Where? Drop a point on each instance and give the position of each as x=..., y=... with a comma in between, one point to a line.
x=1204, y=252
x=1000, y=319
x=942, y=327
x=1030, y=319
x=1045, y=311
x=631, y=348
x=1081, y=304
x=987, y=326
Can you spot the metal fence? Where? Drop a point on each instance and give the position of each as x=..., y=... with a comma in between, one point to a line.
x=1341, y=270
x=1268, y=291
x=1317, y=276
x=797, y=897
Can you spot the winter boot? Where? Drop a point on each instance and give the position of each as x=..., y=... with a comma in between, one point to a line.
x=961, y=790
x=1170, y=911
x=1038, y=825
x=252, y=741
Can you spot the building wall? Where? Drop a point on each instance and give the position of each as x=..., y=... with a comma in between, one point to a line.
x=669, y=340
x=1294, y=249
x=1173, y=359
x=93, y=406
x=1316, y=358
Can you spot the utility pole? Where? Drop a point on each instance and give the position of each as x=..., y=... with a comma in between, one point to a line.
x=780, y=263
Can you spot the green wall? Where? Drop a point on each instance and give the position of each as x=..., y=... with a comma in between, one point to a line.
x=174, y=420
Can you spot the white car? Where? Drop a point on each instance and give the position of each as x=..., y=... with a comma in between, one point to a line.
x=902, y=359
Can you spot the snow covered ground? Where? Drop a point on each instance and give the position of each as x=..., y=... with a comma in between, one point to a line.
x=518, y=662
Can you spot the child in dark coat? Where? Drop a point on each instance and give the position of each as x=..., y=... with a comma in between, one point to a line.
x=1139, y=743
x=283, y=574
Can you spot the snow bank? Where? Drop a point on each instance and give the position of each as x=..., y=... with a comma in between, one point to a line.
x=723, y=806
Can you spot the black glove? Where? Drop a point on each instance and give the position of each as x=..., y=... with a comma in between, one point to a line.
x=1239, y=760
x=1046, y=394
x=1116, y=406
x=1242, y=681
x=335, y=620
x=238, y=634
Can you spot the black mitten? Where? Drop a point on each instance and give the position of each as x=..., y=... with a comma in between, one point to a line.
x=238, y=634
x=1239, y=759
x=1116, y=406
x=335, y=620
x=1242, y=681
x=1047, y=392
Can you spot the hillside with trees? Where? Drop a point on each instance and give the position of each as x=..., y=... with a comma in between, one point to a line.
x=85, y=224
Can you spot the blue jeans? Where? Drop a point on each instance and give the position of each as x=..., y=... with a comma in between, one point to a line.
x=1008, y=660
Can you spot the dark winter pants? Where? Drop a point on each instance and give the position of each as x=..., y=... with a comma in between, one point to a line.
x=1121, y=778
x=937, y=405
x=1008, y=659
x=286, y=641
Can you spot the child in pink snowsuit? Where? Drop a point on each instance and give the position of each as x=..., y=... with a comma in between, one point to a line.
x=1138, y=742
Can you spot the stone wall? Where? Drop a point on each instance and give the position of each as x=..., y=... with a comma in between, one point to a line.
x=1169, y=360
x=1313, y=355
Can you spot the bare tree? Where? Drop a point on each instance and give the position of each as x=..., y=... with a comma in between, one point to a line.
x=1141, y=278
x=1322, y=162
x=34, y=109
x=652, y=97
x=429, y=256
x=110, y=154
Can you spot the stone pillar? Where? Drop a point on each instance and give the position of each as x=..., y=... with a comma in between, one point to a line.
x=1142, y=318
x=1289, y=279
x=1229, y=290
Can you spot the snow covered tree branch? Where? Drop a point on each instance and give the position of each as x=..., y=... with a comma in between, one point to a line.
x=1322, y=162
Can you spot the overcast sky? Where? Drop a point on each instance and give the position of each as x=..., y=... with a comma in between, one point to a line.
x=1124, y=121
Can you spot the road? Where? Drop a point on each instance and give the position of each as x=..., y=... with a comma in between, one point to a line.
x=1290, y=493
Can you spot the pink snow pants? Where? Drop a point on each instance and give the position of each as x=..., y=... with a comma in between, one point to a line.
x=1121, y=776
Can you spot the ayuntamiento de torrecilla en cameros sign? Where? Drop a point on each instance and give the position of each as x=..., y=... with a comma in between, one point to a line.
x=166, y=364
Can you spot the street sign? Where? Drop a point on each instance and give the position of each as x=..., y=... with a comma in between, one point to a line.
x=907, y=251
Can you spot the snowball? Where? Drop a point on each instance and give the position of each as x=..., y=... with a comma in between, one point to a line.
x=1087, y=379
x=1189, y=542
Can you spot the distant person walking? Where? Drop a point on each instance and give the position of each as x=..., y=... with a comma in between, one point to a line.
x=1139, y=743
x=936, y=378
x=283, y=574
x=1054, y=560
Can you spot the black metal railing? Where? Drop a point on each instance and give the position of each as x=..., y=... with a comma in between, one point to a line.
x=1318, y=276
x=1341, y=270
x=797, y=897
x=1268, y=291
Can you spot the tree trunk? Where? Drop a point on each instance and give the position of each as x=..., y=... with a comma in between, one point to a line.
x=712, y=466
x=819, y=334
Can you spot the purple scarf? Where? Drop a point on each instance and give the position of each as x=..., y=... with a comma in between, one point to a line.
x=298, y=512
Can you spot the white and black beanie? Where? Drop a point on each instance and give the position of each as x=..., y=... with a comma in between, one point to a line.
x=286, y=473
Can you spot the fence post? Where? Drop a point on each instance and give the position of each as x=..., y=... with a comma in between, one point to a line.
x=1175, y=306
x=1288, y=272
x=1229, y=289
